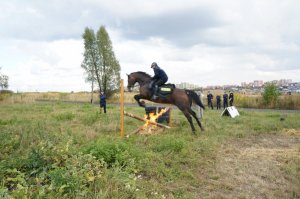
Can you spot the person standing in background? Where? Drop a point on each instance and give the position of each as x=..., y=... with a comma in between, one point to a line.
x=218, y=101
x=102, y=102
x=196, y=108
x=231, y=97
x=225, y=100
x=209, y=100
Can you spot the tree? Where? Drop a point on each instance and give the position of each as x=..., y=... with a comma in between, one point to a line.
x=100, y=63
x=91, y=63
x=3, y=81
x=270, y=94
x=110, y=65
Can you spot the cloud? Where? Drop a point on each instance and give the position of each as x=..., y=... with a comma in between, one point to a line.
x=51, y=66
x=203, y=42
x=182, y=27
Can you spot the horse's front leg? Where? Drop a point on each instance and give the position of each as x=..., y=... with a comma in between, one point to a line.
x=137, y=98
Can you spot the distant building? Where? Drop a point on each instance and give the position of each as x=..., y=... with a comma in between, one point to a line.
x=281, y=82
x=258, y=83
x=244, y=84
x=284, y=82
x=185, y=85
x=255, y=83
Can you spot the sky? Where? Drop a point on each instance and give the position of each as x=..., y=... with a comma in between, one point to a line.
x=203, y=42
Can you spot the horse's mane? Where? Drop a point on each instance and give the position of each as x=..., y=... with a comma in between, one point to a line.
x=143, y=73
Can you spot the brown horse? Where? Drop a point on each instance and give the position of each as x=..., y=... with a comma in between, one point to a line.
x=179, y=97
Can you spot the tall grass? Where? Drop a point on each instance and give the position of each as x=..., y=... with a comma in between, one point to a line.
x=291, y=102
x=283, y=102
x=47, y=96
x=56, y=150
x=241, y=100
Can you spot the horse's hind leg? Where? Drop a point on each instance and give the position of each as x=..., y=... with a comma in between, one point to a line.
x=189, y=118
x=196, y=118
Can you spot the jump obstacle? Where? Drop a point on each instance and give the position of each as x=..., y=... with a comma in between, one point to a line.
x=147, y=121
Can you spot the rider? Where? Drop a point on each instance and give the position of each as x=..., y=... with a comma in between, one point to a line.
x=160, y=77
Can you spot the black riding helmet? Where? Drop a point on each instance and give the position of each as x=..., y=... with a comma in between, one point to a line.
x=154, y=65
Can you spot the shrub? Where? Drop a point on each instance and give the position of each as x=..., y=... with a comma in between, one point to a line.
x=270, y=94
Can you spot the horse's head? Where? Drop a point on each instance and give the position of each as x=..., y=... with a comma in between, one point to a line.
x=141, y=77
x=131, y=82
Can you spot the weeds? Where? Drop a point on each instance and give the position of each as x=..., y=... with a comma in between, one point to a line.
x=73, y=151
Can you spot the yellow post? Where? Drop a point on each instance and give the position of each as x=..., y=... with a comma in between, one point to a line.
x=122, y=108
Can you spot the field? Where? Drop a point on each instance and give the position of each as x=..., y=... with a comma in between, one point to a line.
x=60, y=150
x=291, y=102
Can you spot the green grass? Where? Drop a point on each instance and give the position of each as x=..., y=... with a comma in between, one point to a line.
x=57, y=150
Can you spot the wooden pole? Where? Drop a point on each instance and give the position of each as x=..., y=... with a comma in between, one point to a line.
x=122, y=109
x=145, y=120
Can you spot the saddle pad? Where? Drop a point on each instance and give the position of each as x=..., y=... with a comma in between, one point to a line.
x=165, y=89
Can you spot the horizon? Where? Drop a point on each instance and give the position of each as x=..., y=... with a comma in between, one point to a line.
x=197, y=86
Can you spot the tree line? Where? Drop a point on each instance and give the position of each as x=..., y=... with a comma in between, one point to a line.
x=101, y=67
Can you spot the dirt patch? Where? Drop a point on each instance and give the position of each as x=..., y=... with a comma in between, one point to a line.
x=263, y=166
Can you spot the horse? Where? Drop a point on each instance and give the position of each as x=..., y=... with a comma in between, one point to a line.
x=182, y=98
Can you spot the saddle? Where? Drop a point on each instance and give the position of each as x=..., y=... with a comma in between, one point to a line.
x=166, y=89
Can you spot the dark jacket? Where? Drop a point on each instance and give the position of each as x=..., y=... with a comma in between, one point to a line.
x=231, y=97
x=210, y=97
x=218, y=98
x=225, y=97
x=159, y=74
x=102, y=100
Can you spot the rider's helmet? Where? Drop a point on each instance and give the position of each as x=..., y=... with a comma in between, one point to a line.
x=154, y=65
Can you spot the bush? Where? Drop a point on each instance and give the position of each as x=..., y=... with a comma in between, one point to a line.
x=270, y=94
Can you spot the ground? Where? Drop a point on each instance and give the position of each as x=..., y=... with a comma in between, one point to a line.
x=257, y=167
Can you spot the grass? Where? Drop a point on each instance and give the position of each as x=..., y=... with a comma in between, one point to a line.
x=241, y=100
x=57, y=150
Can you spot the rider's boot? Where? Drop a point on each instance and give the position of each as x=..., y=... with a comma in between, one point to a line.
x=154, y=97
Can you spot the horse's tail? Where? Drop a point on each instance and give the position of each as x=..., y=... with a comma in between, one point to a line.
x=194, y=97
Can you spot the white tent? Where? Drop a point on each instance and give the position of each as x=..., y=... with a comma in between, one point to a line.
x=230, y=111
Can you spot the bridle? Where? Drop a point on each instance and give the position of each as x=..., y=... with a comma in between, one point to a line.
x=137, y=84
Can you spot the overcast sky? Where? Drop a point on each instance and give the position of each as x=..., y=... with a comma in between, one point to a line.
x=204, y=42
